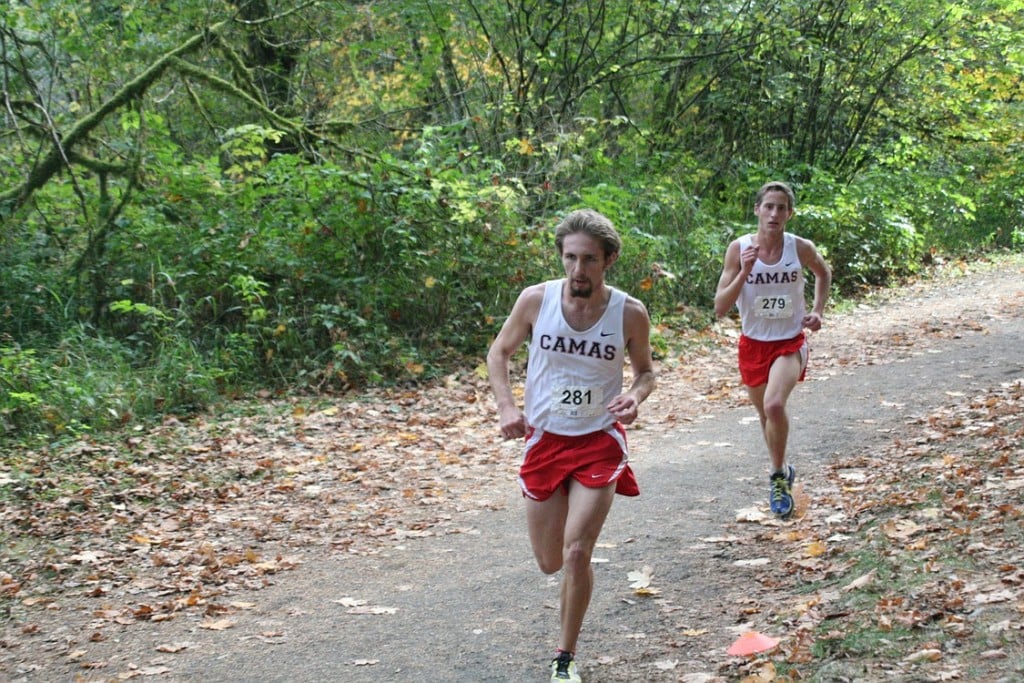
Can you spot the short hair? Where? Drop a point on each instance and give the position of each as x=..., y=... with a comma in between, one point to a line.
x=591, y=223
x=776, y=186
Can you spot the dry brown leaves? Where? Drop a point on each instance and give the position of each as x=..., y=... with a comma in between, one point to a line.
x=916, y=553
x=908, y=563
x=187, y=515
x=184, y=515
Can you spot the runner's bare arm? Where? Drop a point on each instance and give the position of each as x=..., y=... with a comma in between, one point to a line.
x=812, y=259
x=513, y=333
x=734, y=272
x=637, y=330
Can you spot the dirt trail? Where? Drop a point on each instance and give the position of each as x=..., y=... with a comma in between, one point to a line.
x=470, y=605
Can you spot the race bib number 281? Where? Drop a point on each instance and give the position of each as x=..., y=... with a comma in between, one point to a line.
x=577, y=401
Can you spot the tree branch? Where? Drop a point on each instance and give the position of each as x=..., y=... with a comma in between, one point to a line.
x=51, y=163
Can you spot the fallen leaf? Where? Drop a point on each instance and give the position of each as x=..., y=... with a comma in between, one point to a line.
x=816, y=548
x=173, y=647
x=756, y=562
x=217, y=625
x=350, y=602
x=154, y=670
x=87, y=557
x=640, y=579
x=371, y=610
x=701, y=678
x=751, y=515
x=763, y=674
x=860, y=581
x=925, y=656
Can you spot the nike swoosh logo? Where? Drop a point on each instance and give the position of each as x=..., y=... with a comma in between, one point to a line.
x=788, y=264
x=607, y=334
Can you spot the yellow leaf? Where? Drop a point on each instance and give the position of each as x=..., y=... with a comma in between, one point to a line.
x=429, y=282
x=816, y=549
x=804, y=606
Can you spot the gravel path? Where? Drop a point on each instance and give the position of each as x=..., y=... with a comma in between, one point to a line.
x=471, y=606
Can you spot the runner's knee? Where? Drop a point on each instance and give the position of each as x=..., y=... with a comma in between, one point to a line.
x=577, y=557
x=775, y=410
x=549, y=562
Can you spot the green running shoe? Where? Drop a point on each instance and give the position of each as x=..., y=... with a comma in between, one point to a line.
x=563, y=668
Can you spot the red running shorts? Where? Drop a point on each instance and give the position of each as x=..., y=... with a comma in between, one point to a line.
x=756, y=357
x=594, y=460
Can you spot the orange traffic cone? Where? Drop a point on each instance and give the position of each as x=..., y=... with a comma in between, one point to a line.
x=751, y=643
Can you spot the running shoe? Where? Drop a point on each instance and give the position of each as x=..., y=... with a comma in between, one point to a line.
x=780, y=496
x=563, y=668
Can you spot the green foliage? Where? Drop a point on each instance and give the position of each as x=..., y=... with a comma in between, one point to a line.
x=865, y=232
x=88, y=382
x=326, y=198
x=20, y=377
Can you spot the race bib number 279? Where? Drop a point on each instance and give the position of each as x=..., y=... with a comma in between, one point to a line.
x=773, y=307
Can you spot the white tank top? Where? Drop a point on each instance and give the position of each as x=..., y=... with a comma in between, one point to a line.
x=571, y=375
x=771, y=303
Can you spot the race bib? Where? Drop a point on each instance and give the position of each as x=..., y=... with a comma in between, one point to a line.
x=577, y=401
x=774, y=307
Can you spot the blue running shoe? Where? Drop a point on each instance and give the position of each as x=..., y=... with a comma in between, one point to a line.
x=780, y=494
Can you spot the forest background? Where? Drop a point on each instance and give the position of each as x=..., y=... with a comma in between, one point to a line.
x=202, y=199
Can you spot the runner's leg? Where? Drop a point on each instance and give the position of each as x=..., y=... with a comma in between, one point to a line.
x=545, y=521
x=588, y=509
x=782, y=378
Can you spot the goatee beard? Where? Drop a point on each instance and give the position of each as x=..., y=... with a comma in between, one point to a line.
x=581, y=293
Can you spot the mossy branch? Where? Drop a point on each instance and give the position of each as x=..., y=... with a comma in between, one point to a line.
x=51, y=163
x=219, y=83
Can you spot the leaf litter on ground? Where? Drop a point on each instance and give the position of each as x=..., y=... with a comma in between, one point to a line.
x=189, y=515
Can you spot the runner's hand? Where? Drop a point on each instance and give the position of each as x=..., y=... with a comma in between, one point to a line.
x=513, y=426
x=812, y=321
x=624, y=407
